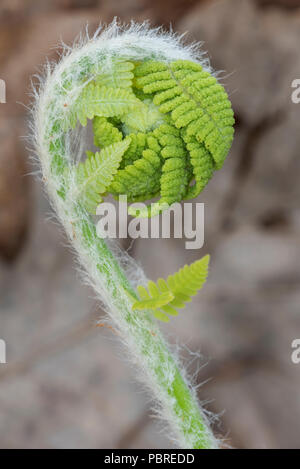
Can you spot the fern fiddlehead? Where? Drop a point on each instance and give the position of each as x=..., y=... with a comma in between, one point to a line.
x=179, y=120
x=160, y=122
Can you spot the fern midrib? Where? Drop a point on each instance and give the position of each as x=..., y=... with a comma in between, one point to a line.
x=111, y=102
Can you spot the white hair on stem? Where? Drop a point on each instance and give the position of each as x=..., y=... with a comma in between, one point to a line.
x=59, y=87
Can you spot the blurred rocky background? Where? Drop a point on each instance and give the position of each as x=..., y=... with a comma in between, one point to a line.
x=65, y=384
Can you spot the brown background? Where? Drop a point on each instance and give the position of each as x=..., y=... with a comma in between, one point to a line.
x=65, y=384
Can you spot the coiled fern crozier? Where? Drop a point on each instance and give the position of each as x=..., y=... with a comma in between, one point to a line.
x=162, y=124
x=178, y=123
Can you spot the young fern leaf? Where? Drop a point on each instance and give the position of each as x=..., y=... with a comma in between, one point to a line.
x=154, y=302
x=96, y=100
x=164, y=297
x=195, y=100
x=97, y=172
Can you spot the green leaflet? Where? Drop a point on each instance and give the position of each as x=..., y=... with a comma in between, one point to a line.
x=96, y=100
x=196, y=101
x=154, y=302
x=179, y=120
x=97, y=172
x=165, y=296
x=118, y=75
x=202, y=164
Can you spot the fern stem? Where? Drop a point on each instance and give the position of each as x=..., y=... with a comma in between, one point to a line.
x=149, y=349
x=139, y=331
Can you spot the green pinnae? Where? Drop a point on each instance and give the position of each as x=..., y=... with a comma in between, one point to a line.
x=176, y=120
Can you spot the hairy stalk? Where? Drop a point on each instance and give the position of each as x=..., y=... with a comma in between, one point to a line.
x=58, y=149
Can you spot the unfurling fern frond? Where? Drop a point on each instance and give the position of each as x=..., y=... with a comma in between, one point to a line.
x=179, y=120
x=164, y=297
x=161, y=127
x=97, y=172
